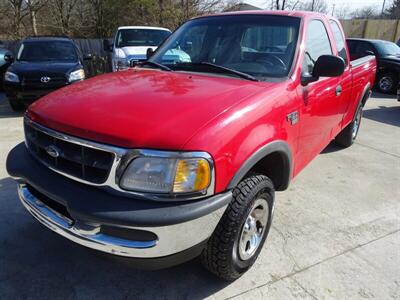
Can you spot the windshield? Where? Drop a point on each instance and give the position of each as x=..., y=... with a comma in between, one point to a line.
x=141, y=37
x=262, y=46
x=387, y=48
x=47, y=51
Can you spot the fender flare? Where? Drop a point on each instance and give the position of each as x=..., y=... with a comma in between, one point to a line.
x=365, y=94
x=276, y=146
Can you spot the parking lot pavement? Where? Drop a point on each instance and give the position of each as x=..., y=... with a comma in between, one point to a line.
x=336, y=234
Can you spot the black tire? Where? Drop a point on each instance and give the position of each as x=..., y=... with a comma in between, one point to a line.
x=16, y=105
x=349, y=134
x=387, y=83
x=221, y=255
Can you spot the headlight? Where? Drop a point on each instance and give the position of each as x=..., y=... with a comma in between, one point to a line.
x=121, y=63
x=167, y=175
x=76, y=75
x=11, y=77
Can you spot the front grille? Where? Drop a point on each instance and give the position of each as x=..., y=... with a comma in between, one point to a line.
x=86, y=163
x=34, y=82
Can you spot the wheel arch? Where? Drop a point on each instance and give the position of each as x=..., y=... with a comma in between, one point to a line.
x=365, y=94
x=273, y=160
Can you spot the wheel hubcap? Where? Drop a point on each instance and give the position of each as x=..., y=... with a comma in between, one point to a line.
x=356, y=124
x=253, y=229
x=386, y=83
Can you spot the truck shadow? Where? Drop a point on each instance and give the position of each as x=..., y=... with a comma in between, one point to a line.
x=376, y=94
x=388, y=115
x=5, y=109
x=37, y=263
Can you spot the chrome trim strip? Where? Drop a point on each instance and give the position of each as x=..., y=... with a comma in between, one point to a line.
x=362, y=60
x=171, y=239
x=122, y=157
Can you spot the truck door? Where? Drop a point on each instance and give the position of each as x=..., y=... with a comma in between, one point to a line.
x=319, y=113
x=344, y=89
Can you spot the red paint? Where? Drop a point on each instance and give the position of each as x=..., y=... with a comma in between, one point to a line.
x=228, y=118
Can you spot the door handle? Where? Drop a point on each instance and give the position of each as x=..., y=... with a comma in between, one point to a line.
x=338, y=90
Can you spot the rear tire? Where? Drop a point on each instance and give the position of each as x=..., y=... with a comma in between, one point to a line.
x=240, y=235
x=349, y=134
x=16, y=105
x=387, y=83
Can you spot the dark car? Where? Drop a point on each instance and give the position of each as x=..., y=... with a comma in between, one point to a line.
x=6, y=58
x=388, y=58
x=42, y=65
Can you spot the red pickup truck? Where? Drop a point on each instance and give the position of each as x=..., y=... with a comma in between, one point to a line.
x=181, y=155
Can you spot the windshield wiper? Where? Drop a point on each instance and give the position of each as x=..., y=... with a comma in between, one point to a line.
x=222, y=68
x=155, y=64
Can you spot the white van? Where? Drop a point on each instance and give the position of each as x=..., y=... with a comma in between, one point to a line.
x=131, y=43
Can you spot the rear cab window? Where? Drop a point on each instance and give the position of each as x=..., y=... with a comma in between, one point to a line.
x=340, y=41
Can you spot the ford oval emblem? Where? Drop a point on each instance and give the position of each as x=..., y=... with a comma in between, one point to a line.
x=45, y=79
x=53, y=151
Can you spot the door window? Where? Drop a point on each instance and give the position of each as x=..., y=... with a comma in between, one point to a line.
x=317, y=44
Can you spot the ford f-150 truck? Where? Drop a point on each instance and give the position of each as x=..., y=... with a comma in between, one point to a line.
x=180, y=156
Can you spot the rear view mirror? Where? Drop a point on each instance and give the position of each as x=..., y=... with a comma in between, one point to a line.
x=325, y=66
x=149, y=53
x=369, y=52
x=107, y=46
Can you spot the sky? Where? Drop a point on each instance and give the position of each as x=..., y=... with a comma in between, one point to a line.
x=352, y=4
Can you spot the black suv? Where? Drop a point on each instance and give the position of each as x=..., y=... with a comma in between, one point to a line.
x=42, y=65
x=388, y=59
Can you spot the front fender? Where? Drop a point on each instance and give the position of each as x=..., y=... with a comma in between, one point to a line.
x=280, y=147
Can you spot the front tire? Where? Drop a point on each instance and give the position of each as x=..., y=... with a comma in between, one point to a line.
x=387, y=83
x=240, y=235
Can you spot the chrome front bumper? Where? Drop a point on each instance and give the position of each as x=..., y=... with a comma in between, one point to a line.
x=170, y=240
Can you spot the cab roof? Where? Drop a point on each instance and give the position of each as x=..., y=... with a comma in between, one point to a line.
x=298, y=14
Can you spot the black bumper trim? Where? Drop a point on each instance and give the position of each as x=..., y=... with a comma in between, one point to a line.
x=93, y=204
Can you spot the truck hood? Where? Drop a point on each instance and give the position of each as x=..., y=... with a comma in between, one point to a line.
x=141, y=108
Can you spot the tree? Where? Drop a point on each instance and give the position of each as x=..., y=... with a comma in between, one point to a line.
x=62, y=12
x=286, y=4
x=18, y=13
x=342, y=12
x=315, y=5
x=393, y=12
x=367, y=12
x=33, y=6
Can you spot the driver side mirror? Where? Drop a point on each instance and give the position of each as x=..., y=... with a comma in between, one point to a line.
x=107, y=46
x=325, y=66
x=9, y=58
x=149, y=53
